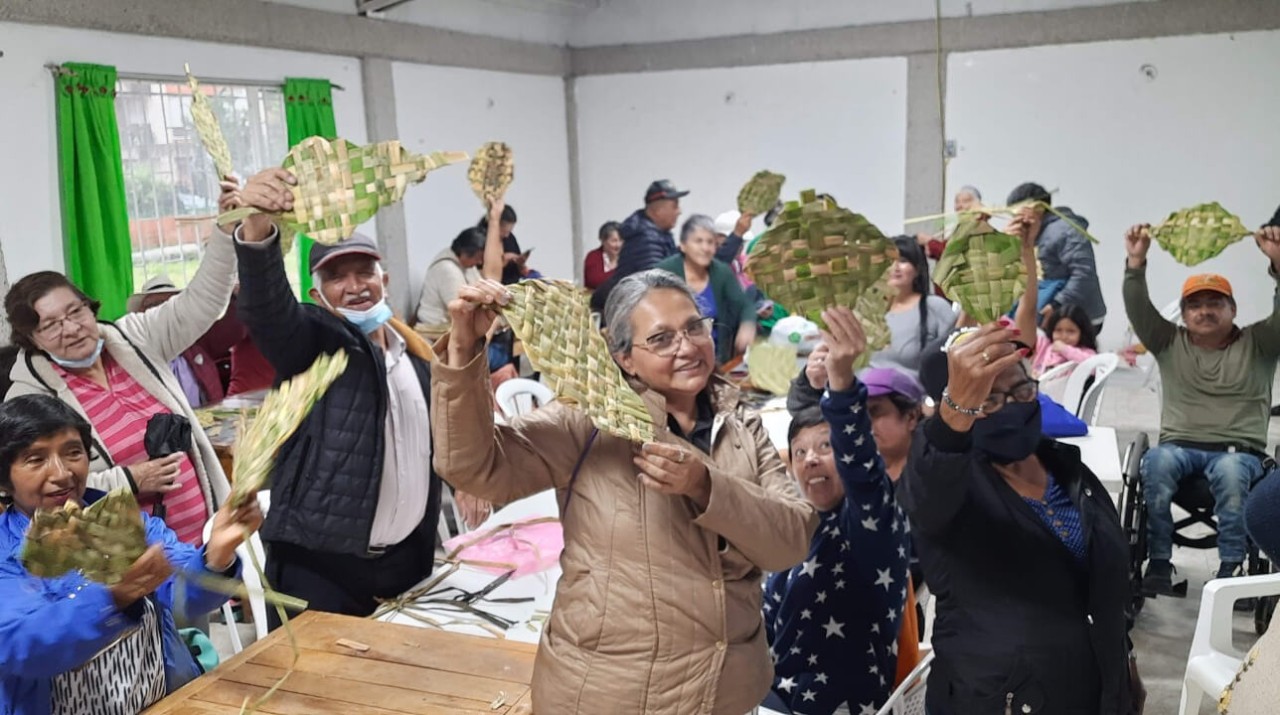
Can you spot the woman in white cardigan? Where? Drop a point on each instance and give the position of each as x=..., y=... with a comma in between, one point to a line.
x=117, y=376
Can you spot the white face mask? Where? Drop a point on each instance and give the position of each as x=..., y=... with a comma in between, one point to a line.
x=82, y=363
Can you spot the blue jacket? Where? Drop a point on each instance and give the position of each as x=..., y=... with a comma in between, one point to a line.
x=1065, y=254
x=833, y=621
x=49, y=626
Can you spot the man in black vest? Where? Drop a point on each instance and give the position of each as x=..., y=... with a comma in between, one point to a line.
x=354, y=500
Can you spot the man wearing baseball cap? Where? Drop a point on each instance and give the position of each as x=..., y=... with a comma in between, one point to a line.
x=647, y=236
x=1215, y=403
x=355, y=499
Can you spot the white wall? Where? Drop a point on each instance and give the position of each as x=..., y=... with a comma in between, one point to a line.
x=444, y=108
x=31, y=234
x=838, y=127
x=1124, y=149
x=543, y=21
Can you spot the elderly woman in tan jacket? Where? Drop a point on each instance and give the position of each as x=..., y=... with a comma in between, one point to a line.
x=658, y=611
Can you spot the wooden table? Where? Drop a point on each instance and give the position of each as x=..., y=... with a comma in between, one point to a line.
x=410, y=670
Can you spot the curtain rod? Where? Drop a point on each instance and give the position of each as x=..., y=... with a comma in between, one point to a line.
x=174, y=79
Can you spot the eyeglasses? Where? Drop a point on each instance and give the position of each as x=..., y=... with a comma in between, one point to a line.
x=667, y=343
x=56, y=328
x=822, y=449
x=1025, y=391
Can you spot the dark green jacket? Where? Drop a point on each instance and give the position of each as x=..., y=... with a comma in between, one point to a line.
x=732, y=307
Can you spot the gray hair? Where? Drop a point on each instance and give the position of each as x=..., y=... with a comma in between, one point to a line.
x=695, y=222
x=627, y=294
x=970, y=190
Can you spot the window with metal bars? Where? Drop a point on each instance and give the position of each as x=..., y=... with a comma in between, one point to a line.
x=171, y=187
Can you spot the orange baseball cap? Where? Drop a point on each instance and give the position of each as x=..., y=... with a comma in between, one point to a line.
x=1207, y=281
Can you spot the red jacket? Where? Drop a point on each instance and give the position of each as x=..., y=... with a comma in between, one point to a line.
x=593, y=272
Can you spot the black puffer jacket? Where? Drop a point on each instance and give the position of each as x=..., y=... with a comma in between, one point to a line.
x=324, y=487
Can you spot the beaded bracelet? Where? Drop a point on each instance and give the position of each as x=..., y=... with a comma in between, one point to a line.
x=970, y=411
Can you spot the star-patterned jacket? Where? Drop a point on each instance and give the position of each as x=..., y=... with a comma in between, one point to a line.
x=833, y=620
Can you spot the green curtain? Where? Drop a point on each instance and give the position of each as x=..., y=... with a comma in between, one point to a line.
x=308, y=112
x=95, y=220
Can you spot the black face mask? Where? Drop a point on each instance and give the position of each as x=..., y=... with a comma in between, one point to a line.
x=1009, y=435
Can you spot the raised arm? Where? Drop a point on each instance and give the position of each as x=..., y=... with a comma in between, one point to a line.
x=1267, y=331
x=1025, y=317
x=494, y=256
x=934, y=484
x=172, y=327
x=1149, y=326
x=732, y=245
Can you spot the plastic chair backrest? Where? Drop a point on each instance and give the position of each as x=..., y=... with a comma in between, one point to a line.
x=521, y=396
x=908, y=698
x=252, y=583
x=1098, y=367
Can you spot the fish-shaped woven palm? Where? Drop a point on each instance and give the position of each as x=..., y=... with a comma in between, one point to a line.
x=871, y=310
x=817, y=255
x=981, y=269
x=281, y=412
x=553, y=320
x=101, y=540
x=492, y=170
x=1196, y=234
x=760, y=193
x=342, y=185
x=208, y=129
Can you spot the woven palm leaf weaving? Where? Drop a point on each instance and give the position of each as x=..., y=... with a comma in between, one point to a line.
x=1196, y=234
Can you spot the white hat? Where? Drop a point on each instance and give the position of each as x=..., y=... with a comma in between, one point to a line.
x=156, y=285
x=726, y=222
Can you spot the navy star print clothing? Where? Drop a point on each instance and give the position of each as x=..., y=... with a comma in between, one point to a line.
x=833, y=620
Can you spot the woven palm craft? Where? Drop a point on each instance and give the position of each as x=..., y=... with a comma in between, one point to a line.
x=871, y=310
x=281, y=412
x=553, y=320
x=208, y=129
x=981, y=269
x=760, y=193
x=1194, y=235
x=771, y=367
x=101, y=540
x=817, y=255
x=342, y=185
x=492, y=170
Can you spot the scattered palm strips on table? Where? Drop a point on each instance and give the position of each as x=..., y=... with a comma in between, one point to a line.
x=102, y=540
x=553, y=320
x=760, y=194
x=817, y=255
x=981, y=269
x=492, y=170
x=342, y=185
x=281, y=412
x=208, y=129
x=1194, y=235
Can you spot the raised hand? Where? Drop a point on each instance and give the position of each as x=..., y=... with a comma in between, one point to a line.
x=972, y=368
x=846, y=341
x=268, y=191
x=815, y=368
x=1268, y=238
x=1137, y=242
x=471, y=314
x=231, y=526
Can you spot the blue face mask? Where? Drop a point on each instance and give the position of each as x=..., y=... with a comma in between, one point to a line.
x=82, y=363
x=368, y=320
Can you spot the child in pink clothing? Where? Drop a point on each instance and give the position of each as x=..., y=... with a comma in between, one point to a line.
x=1067, y=337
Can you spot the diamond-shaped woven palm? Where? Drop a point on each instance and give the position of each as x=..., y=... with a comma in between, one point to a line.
x=492, y=170
x=760, y=193
x=102, y=540
x=208, y=129
x=817, y=255
x=282, y=411
x=1196, y=234
x=553, y=320
x=981, y=269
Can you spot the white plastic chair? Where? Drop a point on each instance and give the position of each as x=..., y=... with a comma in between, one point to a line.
x=519, y=396
x=252, y=583
x=908, y=697
x=1075, y=399
x=1213, y=662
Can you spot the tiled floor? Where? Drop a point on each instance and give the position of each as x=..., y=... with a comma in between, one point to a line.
x=1163, y=633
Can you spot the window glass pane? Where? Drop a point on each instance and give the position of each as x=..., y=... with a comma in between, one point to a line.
x=171, y=189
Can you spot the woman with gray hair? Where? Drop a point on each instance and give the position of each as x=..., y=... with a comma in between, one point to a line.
x=715, y=288
x=966, y=198
x=659, y=608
